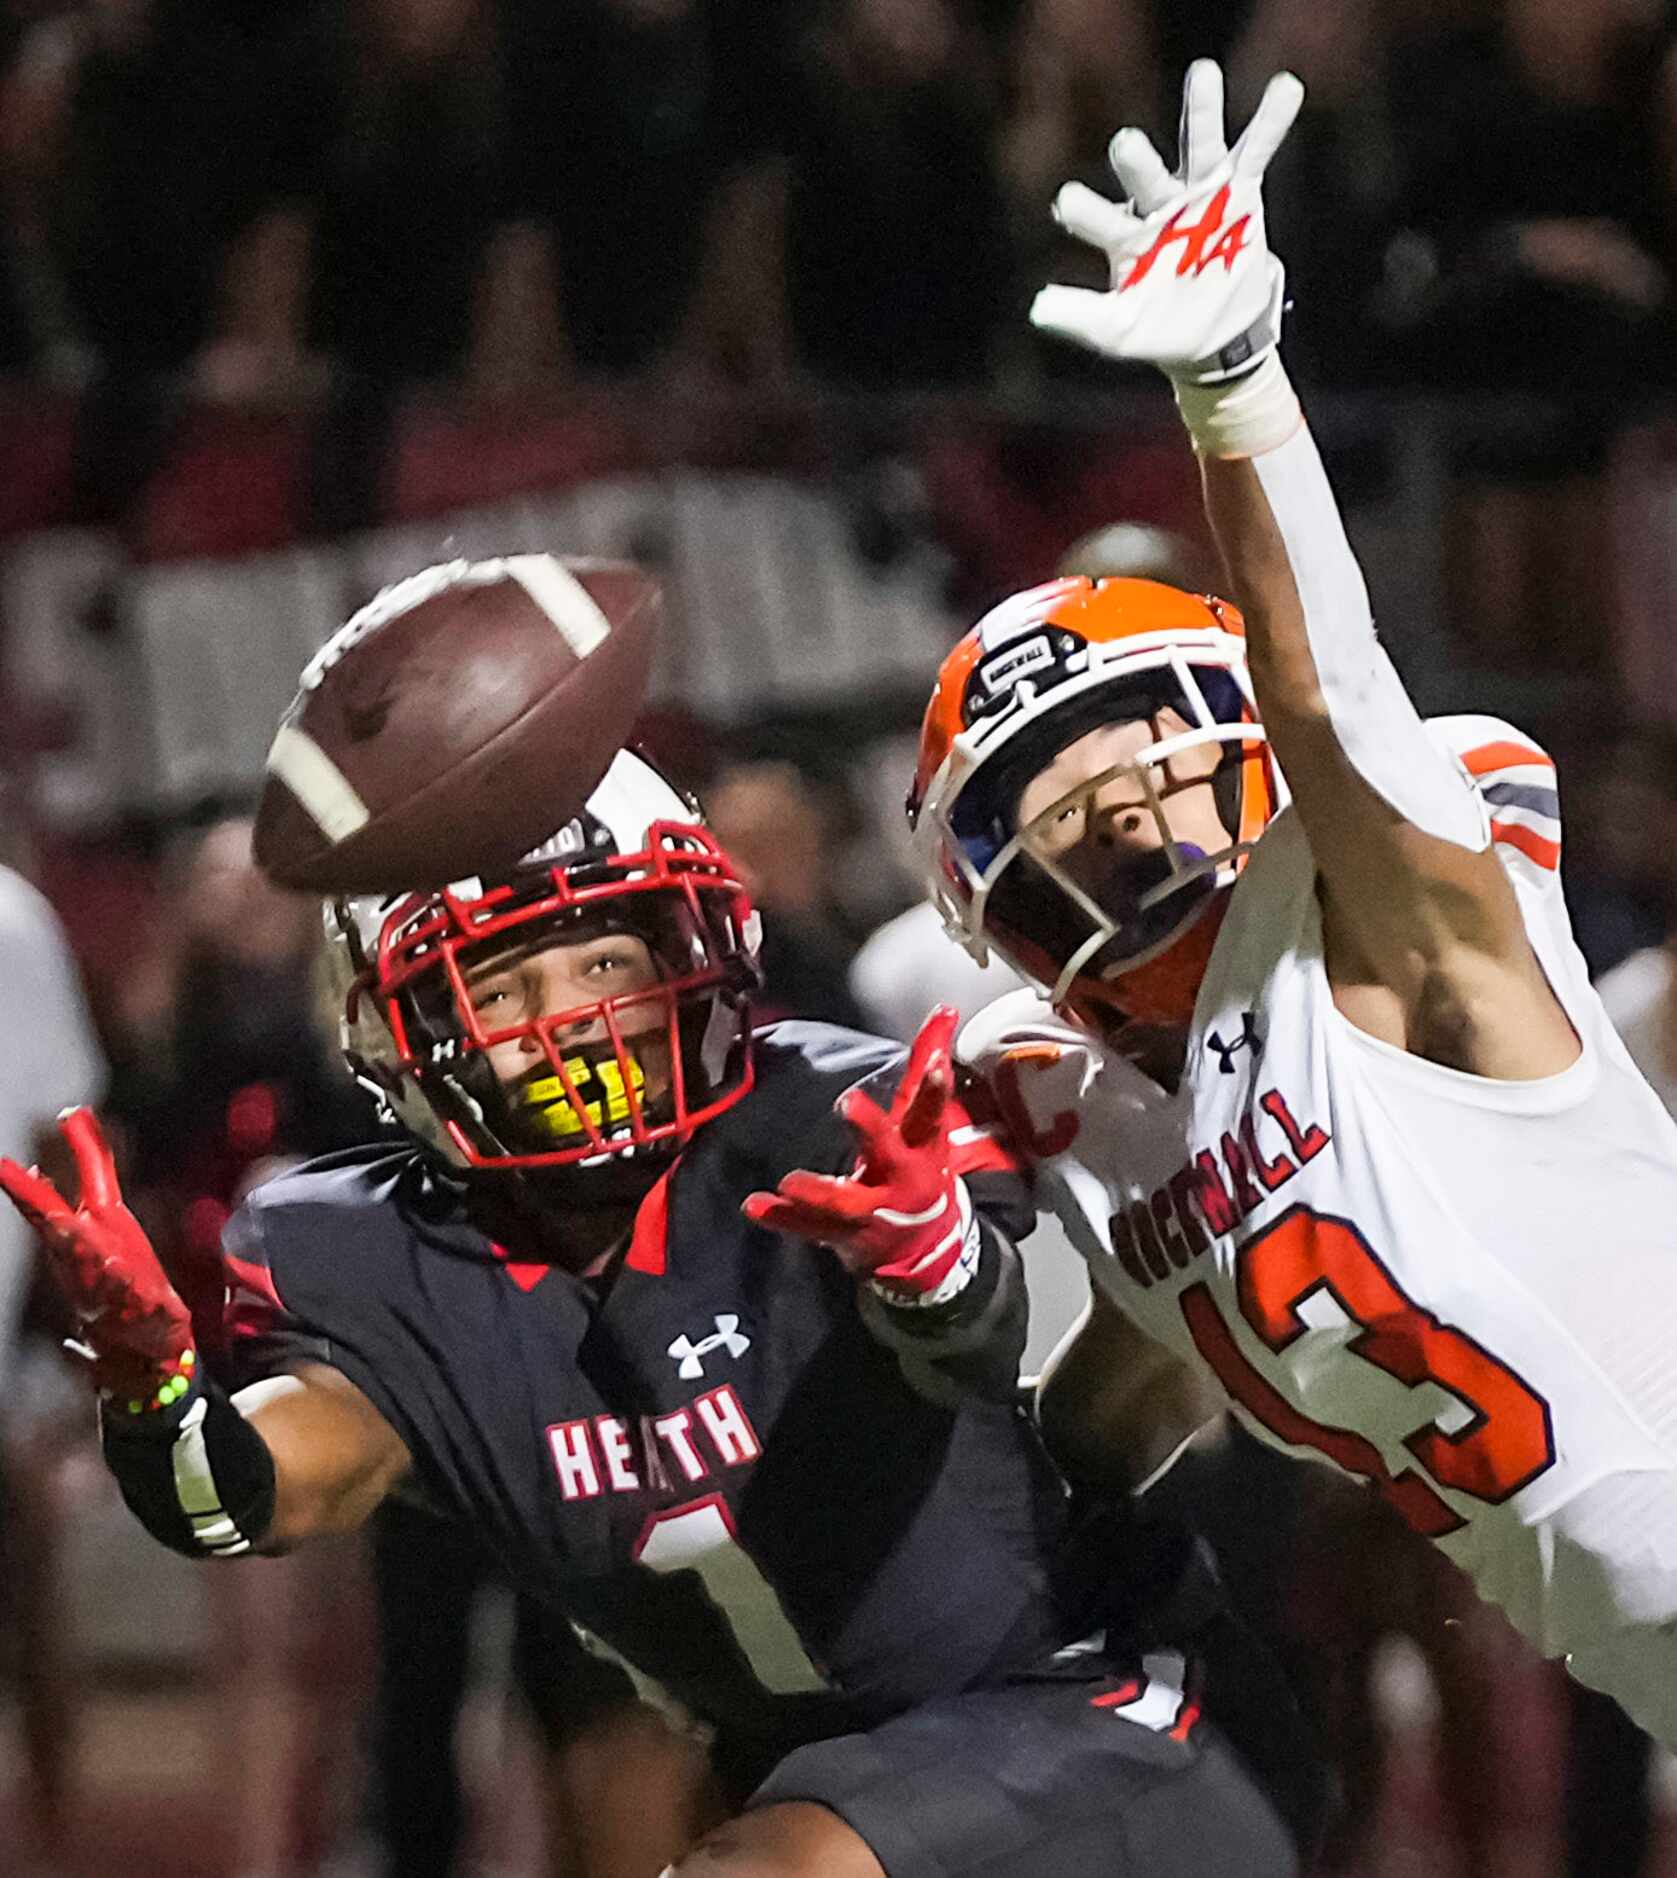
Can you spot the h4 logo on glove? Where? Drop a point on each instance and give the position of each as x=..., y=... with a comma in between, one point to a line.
x=1198, y=321
x=1196, y=257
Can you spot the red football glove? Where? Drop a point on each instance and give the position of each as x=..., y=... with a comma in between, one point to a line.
x=139, y=1331
x=901, y=1217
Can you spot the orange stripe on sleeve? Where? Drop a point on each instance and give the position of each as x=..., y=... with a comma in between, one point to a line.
x=1533, y=846
x=1490, y=756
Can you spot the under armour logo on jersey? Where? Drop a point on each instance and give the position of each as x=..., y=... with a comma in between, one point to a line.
x=1249, y=1039
x=690, y=1356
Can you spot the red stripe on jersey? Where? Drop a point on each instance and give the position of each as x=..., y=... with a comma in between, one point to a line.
x=1120, y=1697
x=524, y=1273
x=649, y=1249
x=256, y=1278
x=1533, y=846
x=1490, y=756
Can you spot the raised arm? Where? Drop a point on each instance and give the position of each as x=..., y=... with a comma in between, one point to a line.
x=1425, y=942
x=296, y=1457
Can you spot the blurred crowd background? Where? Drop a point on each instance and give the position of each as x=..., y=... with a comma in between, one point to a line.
x=299, y=295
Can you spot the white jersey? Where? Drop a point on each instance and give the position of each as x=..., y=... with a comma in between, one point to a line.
x=1462, y=1290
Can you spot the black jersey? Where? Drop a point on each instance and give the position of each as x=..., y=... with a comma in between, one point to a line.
x=711, y=1460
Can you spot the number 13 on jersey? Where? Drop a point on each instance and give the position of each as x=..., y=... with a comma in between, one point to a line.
x=1502, y=1439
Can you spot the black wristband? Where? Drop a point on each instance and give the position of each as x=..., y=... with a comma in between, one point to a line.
x=196, y=1475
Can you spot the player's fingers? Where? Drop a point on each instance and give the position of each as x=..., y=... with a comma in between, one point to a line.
x=863, y=1114
x=932, y=1045
x=835, y=1198
x=929, y=1080
x=775, y=1214
x=36, y=1198
x=95, y=1164
x=1081, y=212
x=1202, y=142
x=1270, y=124
x=1077, y=313
x=1140, y=170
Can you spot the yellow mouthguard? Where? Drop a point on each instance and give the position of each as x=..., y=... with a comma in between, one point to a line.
x=557, y=1114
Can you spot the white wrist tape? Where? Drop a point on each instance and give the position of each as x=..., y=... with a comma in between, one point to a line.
x=1241, y=416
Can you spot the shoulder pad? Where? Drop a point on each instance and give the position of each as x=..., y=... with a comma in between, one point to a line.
x=1037, y=1068
x=1020, y=1017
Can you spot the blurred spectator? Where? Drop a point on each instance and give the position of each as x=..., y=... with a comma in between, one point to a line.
x=774, y=825
x=162, y=157
x=1621, y=863
x=183, y=129
x=1138, y=551
x=51, y=1062
x=636, y=126
x=898, y=270
x=415, y=184
x=1537, y=162
x=218, y=1064
x=219, y=1079
x=1332, y=187
x=1081, y=68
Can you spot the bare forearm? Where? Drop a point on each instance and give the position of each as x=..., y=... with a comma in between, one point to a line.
x=335, y=1457
x=1114, y=1408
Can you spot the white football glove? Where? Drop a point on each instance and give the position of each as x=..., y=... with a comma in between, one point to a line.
x=1195, y=289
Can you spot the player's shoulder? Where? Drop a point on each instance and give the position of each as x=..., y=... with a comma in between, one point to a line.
x=346, y=1214
x=801, y=1060
x=1514, y=776
x=351, y=1180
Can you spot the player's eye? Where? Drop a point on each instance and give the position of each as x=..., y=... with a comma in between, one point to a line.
x=1061, y=828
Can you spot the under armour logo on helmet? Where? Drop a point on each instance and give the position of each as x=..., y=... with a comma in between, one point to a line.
x=690, y=1356
x=1249, y=1039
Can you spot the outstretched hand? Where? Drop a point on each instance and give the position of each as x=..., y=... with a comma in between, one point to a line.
x=134, y=1322
x=900, y=1216
x=1194, y=288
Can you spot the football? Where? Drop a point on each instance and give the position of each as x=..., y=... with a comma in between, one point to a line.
x=454, y=722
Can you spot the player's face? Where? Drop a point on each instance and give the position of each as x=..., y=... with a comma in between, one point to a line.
x=524, y=987
x=1092, y=811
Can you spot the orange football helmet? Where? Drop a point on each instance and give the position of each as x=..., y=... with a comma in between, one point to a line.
x=1037, y=673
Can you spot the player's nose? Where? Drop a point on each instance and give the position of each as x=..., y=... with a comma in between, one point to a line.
x=1118, y=821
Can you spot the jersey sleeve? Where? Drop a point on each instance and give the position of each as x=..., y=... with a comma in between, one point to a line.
x=317, y=1283
x=260, y=1334
x=1514, y=779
